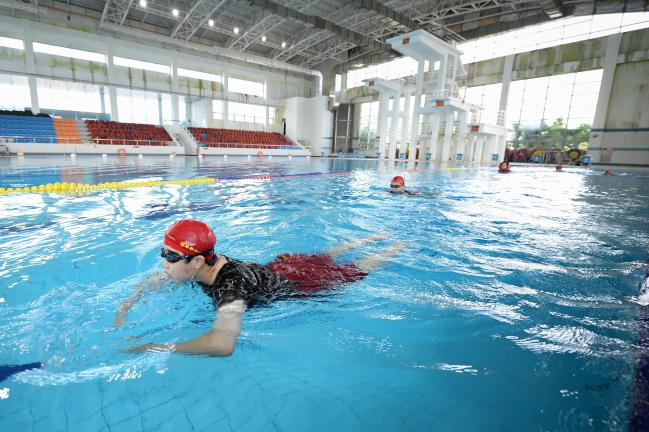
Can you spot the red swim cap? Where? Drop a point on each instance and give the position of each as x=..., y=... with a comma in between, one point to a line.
x=398, y=179
x=191, y=237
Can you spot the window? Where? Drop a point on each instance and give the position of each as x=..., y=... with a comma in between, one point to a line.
x=245, y=87
x=199, y=75
x=272, y=114
x=137, y=64
x=551, y=33
x=369, y=119
x=15, y=93
x=246, y=113
x=11, y=43
x=136, y=106
x=69, y=52
x=69, y=96
x=217, y=109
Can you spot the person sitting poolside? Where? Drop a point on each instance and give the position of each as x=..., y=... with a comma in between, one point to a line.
x=398, y=186
x=188, y=255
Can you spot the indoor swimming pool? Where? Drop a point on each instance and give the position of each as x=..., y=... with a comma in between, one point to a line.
x=515, y=304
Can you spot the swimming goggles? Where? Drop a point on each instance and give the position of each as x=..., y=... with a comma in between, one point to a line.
x=174, y=257
x=395, y=186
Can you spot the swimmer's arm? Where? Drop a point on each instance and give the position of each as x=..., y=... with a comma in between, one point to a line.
x=219, y=341
x=153, y=283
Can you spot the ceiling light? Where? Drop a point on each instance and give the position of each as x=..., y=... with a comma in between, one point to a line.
x=283, y=44
x=236, y=30
x=263, y=38
x=143, y=3
x=175, y=12
x=211, y=23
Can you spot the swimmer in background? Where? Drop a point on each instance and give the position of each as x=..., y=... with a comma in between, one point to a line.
x=608, y=172
x=398, y=186
x=234, y=286
x=558, y=168
x=503, y=167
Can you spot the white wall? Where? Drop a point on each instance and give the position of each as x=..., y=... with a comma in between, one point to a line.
x=309, y=119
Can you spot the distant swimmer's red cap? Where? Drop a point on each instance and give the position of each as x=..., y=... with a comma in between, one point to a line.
x=398, y=180
x=191, y=237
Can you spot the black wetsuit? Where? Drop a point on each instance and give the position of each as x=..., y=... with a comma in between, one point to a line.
x=247, y=281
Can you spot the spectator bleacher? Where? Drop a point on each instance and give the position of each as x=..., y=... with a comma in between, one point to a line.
x=27, y=128
x=109, y=132
x=234, y=138
x=66, y=131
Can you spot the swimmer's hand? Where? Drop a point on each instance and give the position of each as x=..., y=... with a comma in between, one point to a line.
x=150, y=347
x=155, y=282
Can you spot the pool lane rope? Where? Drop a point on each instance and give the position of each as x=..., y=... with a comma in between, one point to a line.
x=67, y=188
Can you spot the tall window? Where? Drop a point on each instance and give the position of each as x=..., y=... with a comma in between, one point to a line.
x=70, y=96
x=554, y=111
x=15, y=93
x=236, y=85
x=136, y=106
x=369, y=119
x=246, y=113
x=217, y=109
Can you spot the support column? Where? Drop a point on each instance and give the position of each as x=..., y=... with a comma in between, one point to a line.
x=30, y=64
x=393, y=123
x=382, y=125
x=504, y=92
x=226, y=98
x=448, y=135
x=112, y=90
x=102, y=99
x=414, y=126
x=404, y=127
x=175, y=107
x=461, y=137
x=479, y=145
x=431, y=152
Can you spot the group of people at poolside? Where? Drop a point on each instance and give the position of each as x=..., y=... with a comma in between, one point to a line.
x=504, y=168
x=188, y=254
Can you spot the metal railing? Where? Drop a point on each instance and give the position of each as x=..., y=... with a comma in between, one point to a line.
x=56, y=140
x=250, y=146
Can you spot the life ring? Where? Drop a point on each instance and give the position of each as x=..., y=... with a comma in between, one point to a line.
x=121, y=151
x=260, y=154
x=503, y=167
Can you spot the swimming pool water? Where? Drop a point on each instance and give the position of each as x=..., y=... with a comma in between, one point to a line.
x=514, y=305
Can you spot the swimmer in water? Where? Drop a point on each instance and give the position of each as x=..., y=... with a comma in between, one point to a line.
x=234, y=286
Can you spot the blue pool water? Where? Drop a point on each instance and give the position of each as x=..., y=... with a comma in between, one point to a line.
x=513, y=307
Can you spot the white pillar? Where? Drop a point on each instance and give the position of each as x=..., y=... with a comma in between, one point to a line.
x=381, y=128
x=477, y=151
x=414, y=126
x=175, y=109
x=112, y=90
x=404, y=127
x=504, y=91
x=394, y=121
x=30, y=64
x=448, y=136
x=461, y=136
x=431, y=152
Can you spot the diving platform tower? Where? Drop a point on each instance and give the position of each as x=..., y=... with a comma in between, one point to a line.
x=389, y=89
x=442, y=104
